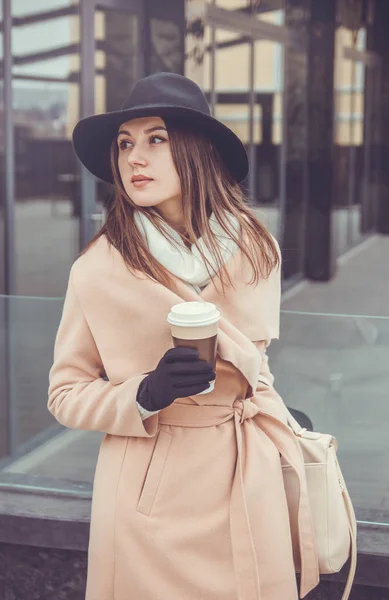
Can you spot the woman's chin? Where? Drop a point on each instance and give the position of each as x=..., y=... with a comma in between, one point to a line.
x=143, y=201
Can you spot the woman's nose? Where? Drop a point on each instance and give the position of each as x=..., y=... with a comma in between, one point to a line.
x=136, y=157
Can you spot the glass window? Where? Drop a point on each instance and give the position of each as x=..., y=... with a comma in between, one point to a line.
x=116, y=58
x=232, y=80
x=45, y=110
x=271, y=16
x=269, y=89
x=166, y=46
x=232, y=101
x=117, y=67
x=351, y=137
x=233, y=4
x=3, y=311
x=326, y=366
x=23, y=8
x=2, y=173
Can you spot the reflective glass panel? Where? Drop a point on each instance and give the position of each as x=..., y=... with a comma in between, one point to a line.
x=269, y=93
x=45, y=47
x=352, y=133
x=333, y=368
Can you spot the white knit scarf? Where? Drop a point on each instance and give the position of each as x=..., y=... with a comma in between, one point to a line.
x=187, y=263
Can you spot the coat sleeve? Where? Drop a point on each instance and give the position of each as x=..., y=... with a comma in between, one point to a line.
x=79, y=396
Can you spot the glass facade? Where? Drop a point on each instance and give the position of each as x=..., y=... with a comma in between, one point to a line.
x=244, y=81
x=71, y=59
x=4, y=429
x=45, y=92
x=51, y=207
x=355, y=90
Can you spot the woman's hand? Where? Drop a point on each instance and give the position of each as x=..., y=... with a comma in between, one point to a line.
x=179, y=373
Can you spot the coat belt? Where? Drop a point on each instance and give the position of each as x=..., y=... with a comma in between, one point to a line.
x=243, y=549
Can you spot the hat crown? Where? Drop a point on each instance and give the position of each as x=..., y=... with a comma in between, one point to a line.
x=167, y=89
x=165, y=95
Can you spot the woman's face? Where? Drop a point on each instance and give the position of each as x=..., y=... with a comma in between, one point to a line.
x=145, y=162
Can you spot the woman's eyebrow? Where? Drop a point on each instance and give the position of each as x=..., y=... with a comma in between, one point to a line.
x=145, y=131
x=155, y=129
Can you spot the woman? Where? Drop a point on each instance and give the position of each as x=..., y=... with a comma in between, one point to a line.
x=188, y=497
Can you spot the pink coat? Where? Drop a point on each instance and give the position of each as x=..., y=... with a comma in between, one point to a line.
x=188, y=504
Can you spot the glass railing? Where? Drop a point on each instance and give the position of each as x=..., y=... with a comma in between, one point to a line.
x=334, y=369
x=27, y=329
x=37, y=444
x=331, y=368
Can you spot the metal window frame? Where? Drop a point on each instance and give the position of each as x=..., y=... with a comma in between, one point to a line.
x=368, y=58
x=9, y=158
x=255, y=28
x=245, y=23
x=87, y=108
x=7, y=420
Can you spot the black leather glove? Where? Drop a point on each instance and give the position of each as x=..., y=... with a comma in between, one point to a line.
x=179, y=373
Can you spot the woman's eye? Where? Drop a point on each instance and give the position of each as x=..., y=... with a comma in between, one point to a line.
x=157, y=139
x=124, y=144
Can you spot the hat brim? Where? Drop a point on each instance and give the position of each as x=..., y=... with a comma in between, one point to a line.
x=92, y=137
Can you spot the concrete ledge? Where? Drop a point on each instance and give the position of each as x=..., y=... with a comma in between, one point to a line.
x=42, y=512
x=45, y=522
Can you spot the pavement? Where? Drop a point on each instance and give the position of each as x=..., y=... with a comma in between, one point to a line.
x=331, y=362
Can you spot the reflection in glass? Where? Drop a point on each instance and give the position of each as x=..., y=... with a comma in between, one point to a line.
x=22, y=8
x=116, y=70
x=231, y=95
x=2, y=180
x=276, y=17
x=333, y=368
x=32, y=323
x=3, y=314
x=231, y=86
x=166, y=46
x=269, y=99
x=351, y=135
x=233, y=4
x=45, y=110
x=42, y=446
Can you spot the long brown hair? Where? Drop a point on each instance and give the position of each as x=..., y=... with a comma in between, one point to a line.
x=206, y=188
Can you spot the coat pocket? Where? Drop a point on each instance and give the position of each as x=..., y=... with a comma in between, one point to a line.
x=154, y=472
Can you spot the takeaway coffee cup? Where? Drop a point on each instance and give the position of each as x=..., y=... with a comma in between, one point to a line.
x=195, y=325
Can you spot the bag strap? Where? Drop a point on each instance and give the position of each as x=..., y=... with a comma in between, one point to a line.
x=353, y=540
x=295, y=426
x=299, y=431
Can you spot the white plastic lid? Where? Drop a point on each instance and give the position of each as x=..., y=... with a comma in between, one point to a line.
x=193, y=314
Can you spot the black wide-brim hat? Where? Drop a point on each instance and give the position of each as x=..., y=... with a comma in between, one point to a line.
x=159, y=95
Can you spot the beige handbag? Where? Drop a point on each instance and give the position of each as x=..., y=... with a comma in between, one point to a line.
x=332, y=511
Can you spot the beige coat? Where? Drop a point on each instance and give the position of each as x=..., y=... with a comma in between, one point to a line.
x=188, y=504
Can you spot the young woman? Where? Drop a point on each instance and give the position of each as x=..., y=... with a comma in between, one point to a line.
x=188, y=498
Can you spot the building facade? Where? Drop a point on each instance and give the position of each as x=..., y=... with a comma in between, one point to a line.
x=303, y=83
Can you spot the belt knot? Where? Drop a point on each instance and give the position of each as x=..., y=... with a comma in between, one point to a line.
x=246, y=409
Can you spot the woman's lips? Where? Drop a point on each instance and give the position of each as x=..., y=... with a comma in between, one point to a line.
x=141, y=183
